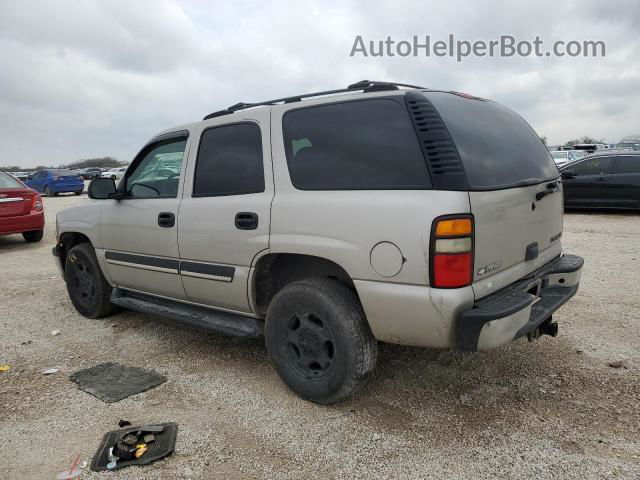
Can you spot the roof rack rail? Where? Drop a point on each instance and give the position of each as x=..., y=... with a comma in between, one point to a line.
x=364, y=85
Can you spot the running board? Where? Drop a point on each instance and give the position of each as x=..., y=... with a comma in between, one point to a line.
x=232, y=324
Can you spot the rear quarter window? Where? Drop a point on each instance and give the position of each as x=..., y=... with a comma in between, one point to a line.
x=497, y=147
x=355, y=145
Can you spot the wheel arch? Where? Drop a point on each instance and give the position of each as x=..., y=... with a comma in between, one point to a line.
x=274, y=271
x=68, y=240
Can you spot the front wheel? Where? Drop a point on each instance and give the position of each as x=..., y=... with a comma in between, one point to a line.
x=78, y=193
x=47, y=192
x=33, y=236
x=319, y=340
x=88, y=289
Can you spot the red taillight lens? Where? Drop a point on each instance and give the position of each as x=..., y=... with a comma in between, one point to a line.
x=452, y=252
x=452, y=270
x=36, y=203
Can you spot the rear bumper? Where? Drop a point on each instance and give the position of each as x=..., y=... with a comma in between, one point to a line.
x=520, y=308
x=22, y=223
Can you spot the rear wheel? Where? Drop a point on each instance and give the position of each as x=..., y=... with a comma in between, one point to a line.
x=34, y=236
x=88, y=289
x=78, y=193
x=319, y=340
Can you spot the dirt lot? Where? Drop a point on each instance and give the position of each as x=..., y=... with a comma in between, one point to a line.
x=552, y=409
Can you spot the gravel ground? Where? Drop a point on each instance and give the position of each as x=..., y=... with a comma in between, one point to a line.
x=551, y=409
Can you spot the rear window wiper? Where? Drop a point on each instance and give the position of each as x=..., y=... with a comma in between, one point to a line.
x=552, y=187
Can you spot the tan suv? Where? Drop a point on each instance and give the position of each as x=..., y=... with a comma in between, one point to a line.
x=328, y=222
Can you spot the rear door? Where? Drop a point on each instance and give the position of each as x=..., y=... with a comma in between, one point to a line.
x=37, y=180
x=585, y=182
x=225, y=214
x=514, y=190
x=623, y=187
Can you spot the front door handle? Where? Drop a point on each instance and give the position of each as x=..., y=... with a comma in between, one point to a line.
x=246, y=221
x=166, y=219
x=603, y=179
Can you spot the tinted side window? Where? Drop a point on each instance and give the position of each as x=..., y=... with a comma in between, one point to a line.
x=360, y=145
x=593, y=166
x=628, y=164
x=158, y=173
x=229, y=161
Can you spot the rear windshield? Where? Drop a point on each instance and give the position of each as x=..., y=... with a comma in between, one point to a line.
x=497, y=147
x=7, y=181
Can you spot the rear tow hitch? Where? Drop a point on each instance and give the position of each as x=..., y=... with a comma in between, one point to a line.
x=548, y=327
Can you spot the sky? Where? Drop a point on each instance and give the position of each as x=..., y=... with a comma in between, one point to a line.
x=82, y=78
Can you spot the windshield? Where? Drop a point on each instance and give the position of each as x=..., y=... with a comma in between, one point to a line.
x=497, y=147
x=7, y=181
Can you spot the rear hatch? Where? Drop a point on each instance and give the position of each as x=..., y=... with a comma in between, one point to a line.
x=515, y=194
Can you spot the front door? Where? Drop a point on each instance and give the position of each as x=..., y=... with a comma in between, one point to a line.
x=140, y=231
x=225, y=213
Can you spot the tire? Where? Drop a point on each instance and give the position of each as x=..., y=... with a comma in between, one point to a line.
x=47, y=192
x=78, y=193
x=33, y=236
x=88, y=289
x=319, y=340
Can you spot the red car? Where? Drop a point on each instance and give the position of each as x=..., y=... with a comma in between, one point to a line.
x=21, y=209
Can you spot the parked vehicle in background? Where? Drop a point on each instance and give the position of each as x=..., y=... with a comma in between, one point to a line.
x=90, y=173
x=562, y=157
x=588, y=147
x=22, y=176
x=114, y=173
x=330, y=223
x=578, y=154
x=609, y=179
x=21, y=209
x=51, y=182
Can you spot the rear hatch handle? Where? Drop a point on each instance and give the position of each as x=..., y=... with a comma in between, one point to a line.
x=552, y=187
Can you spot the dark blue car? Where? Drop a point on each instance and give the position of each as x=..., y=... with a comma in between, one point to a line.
x=53, y=181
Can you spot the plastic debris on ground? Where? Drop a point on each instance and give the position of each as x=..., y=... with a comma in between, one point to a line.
x=139, y=445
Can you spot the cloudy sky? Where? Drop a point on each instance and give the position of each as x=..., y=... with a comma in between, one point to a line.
x=84, y=78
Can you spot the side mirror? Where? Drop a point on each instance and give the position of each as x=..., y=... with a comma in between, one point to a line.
x=101, y=188
x=568, y=174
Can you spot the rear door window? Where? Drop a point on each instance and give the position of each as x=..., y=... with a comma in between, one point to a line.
x=357, y=145
x=497, y=147
x=592, y=166
x=628, y=164
x=229, y=161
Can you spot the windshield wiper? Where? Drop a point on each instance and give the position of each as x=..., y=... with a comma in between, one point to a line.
x=552, y=187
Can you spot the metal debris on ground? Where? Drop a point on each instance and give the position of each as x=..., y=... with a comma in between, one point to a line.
x=5, y=368
x=50, y=371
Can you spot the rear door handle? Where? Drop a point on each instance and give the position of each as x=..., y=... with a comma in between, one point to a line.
x=246, y=221
x=166, y=219
x=603, y=179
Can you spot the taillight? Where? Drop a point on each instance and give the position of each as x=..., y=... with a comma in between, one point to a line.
x=36, y=203
x=452, y=251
